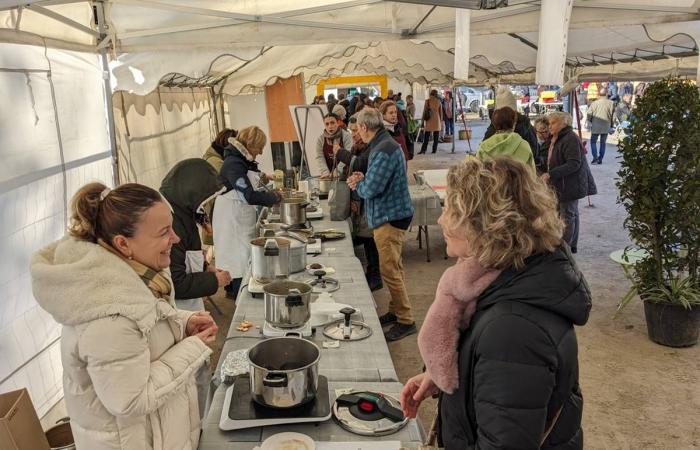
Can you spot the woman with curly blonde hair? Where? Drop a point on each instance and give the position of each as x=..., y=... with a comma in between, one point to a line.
x=498, y=341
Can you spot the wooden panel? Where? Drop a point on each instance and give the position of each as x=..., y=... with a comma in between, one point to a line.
x=278, y=97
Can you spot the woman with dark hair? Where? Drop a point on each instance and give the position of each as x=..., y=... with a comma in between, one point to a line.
x=333, y=139
x=129, y=355
x=215, y=153
x=505, y=142
x=390, y=116
x=509, y=377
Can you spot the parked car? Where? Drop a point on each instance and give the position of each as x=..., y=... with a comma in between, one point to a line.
x=472, y=98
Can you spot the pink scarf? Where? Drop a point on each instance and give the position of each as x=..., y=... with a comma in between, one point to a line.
x=448, y=316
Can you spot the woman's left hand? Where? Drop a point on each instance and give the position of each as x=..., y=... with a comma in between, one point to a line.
x=198, y=322
x=415, y=391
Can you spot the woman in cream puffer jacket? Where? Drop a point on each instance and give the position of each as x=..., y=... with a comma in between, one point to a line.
x=128, y=367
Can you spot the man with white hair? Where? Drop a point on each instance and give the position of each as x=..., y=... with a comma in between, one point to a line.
x=389, y=213
x=568, y=173
x=600, y=114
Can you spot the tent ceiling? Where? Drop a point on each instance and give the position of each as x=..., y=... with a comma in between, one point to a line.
x=249, y=43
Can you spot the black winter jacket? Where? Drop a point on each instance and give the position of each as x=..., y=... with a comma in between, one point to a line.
x=523, y=127
x=185, y=187
x=518, y=361
x=234, y=175
x=569, y=172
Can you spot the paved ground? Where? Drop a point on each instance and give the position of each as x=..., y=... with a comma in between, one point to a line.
x=638, y=395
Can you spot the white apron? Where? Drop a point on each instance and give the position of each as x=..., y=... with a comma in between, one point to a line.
x=194, y=263
x=234, y=228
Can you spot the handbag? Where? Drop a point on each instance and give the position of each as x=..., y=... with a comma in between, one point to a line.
x=427, y=112
x=339, y=198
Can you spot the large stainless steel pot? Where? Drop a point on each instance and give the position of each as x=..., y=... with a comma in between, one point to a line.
x=297, y=251
x=297, y=240
x=284, y=372
x=269, y=259
x=293, y=211
x=287, y=303
x=325, y=185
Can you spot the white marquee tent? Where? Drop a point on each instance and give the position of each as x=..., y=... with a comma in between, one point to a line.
x=148, y=82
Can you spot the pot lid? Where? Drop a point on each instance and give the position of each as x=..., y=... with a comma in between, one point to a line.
x=358, y=331
x=369, y=413
x=323, y=284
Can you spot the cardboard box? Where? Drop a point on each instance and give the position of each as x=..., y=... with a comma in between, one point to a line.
x=20, y=428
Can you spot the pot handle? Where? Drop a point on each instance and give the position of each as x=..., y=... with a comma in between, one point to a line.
x=275, y=379
x=271, y=248
x=293, y=300
x=293, y=334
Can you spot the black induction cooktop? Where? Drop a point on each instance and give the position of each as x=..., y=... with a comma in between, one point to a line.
x=244, y=408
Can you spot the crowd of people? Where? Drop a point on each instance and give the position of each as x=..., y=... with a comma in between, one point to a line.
x=127, y=281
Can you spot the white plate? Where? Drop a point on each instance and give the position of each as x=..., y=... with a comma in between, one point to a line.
x=286, y=441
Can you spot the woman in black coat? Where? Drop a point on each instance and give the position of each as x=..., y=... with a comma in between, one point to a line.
x=517, y=362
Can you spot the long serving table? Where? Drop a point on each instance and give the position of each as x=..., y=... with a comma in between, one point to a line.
x=364, y=364
x=427, y=210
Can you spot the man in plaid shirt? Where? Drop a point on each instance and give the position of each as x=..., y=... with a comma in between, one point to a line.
x=389, y=213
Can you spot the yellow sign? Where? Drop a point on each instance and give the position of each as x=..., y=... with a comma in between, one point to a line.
x=381, y=80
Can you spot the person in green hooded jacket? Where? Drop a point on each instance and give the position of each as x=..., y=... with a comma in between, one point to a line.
x=506, y=142
x=188, y=186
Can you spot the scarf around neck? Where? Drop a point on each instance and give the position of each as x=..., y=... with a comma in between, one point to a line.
x=157, y=282
x=337, y=135
x=241, y=148
x=390, y=126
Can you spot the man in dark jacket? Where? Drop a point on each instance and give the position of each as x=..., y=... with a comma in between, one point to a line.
x=384, y=189
x=518, y=362
x=569, y=174
x=523, y=127
x=188, y=185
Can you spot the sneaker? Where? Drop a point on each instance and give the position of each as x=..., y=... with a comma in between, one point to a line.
x=387, y=318
x=600, y=161
x=400, y=331
x=574, y=250
x=594, y=161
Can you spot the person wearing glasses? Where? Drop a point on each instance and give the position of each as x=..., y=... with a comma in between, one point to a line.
x=543, y=141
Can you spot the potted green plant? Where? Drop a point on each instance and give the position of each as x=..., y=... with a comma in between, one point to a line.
x=659, y=186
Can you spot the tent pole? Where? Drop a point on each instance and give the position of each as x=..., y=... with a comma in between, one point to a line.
x=454, y=111
x=101, y=21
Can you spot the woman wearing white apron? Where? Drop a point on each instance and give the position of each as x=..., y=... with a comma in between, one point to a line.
x=235, y=213
x=187, y=187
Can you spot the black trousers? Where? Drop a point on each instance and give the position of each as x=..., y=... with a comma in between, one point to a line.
x=436, y=137
x=372, y=255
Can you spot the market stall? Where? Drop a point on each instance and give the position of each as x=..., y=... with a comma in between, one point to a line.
x=360, y=365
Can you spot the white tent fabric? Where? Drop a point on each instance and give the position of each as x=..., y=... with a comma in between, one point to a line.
x=171, y=58
x=54, y=140
x=156, y=131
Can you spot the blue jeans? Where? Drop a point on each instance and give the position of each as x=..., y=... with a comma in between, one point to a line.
x=594, y=149
x=449, y=127
x=568, y=211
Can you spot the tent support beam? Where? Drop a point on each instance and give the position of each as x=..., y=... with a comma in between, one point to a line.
x=639, y=7
x=64, y=20
x=101, y=25
x=275, y=19
x=414, y=30
x=485, y=18
x=326, y=8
